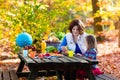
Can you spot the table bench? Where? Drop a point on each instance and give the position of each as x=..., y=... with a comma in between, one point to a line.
x=8, y=75
x=106, y=76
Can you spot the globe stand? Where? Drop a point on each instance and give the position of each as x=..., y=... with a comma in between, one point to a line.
x=21, y=50
x=23, y=39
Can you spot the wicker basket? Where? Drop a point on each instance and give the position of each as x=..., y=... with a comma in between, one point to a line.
x=55, y=44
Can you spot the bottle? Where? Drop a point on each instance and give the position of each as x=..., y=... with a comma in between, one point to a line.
x=43, y=46
x=25, y=51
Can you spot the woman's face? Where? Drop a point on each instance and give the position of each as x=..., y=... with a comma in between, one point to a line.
x=75, y=31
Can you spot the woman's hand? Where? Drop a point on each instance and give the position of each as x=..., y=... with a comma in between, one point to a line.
x=78, y=54
x=64, y=49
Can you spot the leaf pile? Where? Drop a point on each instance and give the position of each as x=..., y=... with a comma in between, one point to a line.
x=109, y=54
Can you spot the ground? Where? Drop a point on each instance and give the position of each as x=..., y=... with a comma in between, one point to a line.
x=108, y=55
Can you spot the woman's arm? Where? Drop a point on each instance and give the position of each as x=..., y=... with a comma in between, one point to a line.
x=63, y=43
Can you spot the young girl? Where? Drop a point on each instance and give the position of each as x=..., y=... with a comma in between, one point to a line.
x=90, y=53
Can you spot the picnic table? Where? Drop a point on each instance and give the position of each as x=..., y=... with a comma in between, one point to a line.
x=63, y=63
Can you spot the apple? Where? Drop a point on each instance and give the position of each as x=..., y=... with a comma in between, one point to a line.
x=40, y=55
x=47, y=54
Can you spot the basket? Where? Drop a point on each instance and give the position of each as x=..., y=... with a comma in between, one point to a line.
x=55, y=44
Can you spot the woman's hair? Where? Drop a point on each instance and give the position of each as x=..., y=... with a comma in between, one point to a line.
x=91, y=42
x=79, y=24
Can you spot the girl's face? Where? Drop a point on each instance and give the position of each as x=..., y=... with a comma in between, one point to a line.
x=75, y=31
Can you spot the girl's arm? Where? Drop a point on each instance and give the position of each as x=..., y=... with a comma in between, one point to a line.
x=90, y=54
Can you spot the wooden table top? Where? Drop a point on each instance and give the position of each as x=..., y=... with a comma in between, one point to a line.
x=58, y=60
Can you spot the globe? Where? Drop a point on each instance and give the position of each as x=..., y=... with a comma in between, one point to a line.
x=23, y=39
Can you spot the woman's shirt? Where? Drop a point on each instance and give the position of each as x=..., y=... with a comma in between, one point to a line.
x=79, y=47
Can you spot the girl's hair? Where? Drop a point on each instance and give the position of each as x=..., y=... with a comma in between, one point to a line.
x=91, y=42
x=79, y=24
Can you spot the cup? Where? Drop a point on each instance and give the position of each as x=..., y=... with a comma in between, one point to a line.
x=25, y=53
x=70, y=53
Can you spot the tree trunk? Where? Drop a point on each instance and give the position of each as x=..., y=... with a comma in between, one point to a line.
x=97, y=27
x=119, y=33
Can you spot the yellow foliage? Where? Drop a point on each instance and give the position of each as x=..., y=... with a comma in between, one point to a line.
x=48, y=31
x=112, y=27
x=18, y=28
x=43, y=46
x=46, y=37
x=67, y=2
x=77, y=16
x=78, y=8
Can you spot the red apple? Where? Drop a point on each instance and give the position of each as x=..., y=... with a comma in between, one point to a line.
x=47, y=54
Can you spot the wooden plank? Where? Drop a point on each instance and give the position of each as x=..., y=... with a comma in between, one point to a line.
x=111, y=77
x=0, y=75
x=64, y=60
x=80, y=60
x=98, y=78
x=90, y=60
x=56, y=60
x=106, y=77
x=26, y=59
x=70, y=59
x=29, y=60
x=46, y=60
x=13, y=75
x=40, y=73
x=39, y=60
x=6, y=75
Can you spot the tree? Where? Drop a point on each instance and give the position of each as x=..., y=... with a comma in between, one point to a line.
x=119, y=32
x=97, y=27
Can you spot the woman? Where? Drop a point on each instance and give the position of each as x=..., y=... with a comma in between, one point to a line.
x=75, y=39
